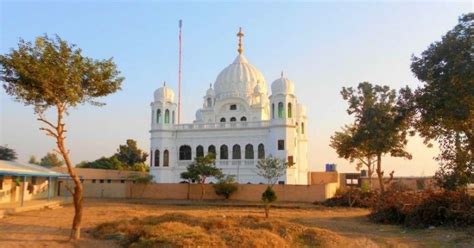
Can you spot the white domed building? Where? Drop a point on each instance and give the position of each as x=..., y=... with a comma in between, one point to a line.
x=239, y=122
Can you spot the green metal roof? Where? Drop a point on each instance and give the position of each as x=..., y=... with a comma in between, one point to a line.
x=12, y=168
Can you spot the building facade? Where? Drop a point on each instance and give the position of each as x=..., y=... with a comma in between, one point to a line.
x=239, y=122
x=21, y=182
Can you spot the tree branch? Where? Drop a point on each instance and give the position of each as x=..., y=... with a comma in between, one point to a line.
x=387, y=181
x=42, y=119
x=362, y=160
x=49, y=132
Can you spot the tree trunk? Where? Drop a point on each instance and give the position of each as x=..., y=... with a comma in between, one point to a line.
x=380, y=173
x=77, y=194
x=471, y=146
x=267, y=210
x=58, y=133
x=189, y=186
x=369, y=172
x=202, y=191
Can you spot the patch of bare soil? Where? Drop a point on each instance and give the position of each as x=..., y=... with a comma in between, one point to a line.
x=50, y=228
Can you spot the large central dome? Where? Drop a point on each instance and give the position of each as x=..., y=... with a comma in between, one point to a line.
x=239, y=79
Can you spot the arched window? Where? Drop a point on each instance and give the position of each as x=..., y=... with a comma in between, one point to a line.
x=222, y=119
x=185, y=152
x=302, y=127
x=158, y=116
x=297, y=127
x=281, y=111
x=209, y=102
x=261, y=151
x=236, y=152
x=151, y=158
x=173, y=118
x=166, y=158
x=249, y=151
x=243, y=118
x=233, y=119
x=289, y=110
x=273, y=111
x=157, y=158
x=224, y=152
x=199, y=151
x=211, y=150
x=167, y=116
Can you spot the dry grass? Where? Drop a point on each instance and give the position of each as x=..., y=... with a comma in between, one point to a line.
x=183, y=230
x=50, y=228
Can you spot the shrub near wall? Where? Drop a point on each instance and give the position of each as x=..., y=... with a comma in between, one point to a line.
x=424, y=209
x=352, y=197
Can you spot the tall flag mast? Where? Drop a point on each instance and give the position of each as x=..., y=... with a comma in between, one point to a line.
x=179, y=73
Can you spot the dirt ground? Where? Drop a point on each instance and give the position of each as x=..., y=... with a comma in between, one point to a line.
x=50, y=227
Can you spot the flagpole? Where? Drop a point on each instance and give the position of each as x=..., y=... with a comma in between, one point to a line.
x=179, y=73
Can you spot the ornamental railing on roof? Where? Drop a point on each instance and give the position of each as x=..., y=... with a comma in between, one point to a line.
x=222, y=125
x=223, y=163
x=230, y=94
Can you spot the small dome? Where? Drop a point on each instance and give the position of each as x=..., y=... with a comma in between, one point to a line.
x=283, y=86
x=164, y=94
x=238, y=79
x=210, y=91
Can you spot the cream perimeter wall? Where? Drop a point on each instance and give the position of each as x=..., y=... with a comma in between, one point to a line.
x=245, y=192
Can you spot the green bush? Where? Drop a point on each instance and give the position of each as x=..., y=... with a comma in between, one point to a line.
x=226, y=186
x=269, y=196
x=352, y=197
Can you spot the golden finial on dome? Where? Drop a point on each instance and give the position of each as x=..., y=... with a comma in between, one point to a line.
x=240, y=34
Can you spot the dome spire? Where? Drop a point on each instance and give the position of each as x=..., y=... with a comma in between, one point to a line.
x=240, y=34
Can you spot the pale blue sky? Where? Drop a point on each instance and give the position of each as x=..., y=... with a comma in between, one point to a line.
x=321, y=46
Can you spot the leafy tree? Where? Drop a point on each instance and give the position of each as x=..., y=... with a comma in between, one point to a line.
x=444, y=104
x=456, y=162
x=33, y=160
x=271, y=169
x=7, y=154
x=51, y=160
x=345, y=145
x=139, y=167
x=201, y=169
x=105, y=163
x=53, y=75
x=142, y=180
x=225, y=186
x=130, y=154
x=128, y=157
x=268, y=197
x=381, y=125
